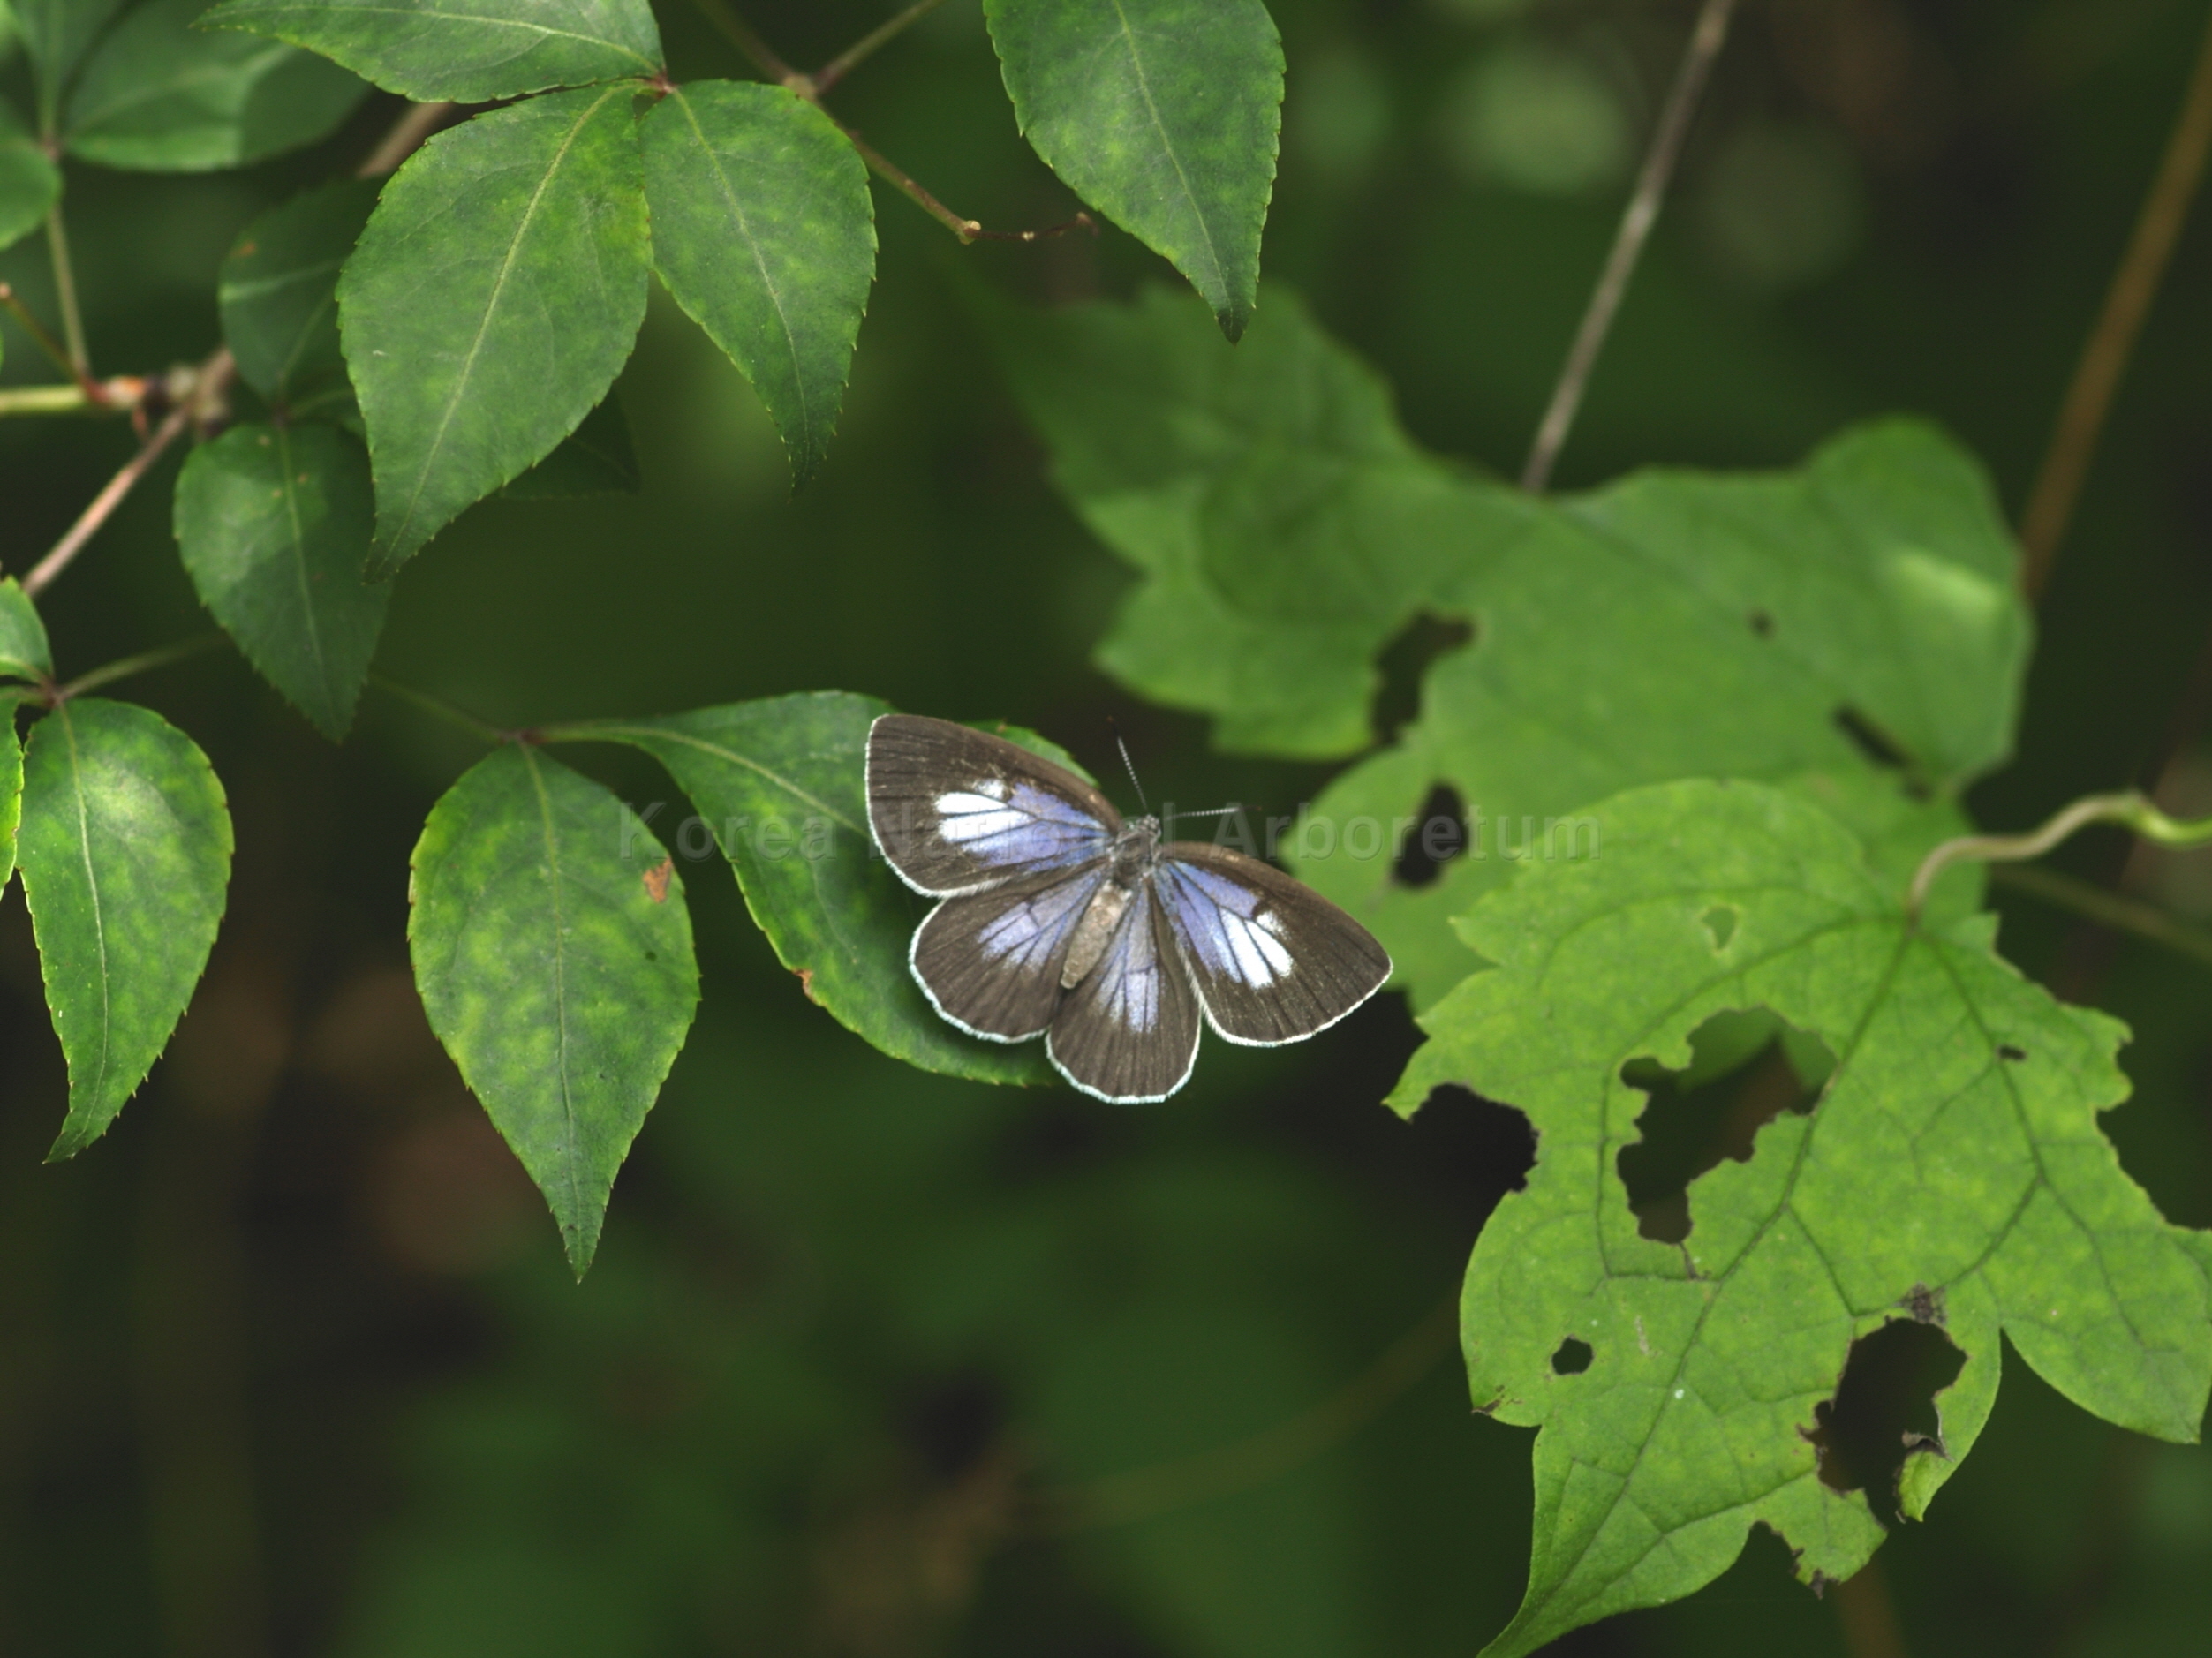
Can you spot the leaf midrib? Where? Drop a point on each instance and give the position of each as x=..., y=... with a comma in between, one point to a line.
x=419, y=14
x=1167, y=145
x=560, y=990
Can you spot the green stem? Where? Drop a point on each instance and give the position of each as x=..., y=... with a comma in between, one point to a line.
x=742, y=34
x=2112, y=909
x=19, y=400
x=443, y=710
x=145, y=661
x=55, y=352
x=80, y=360
x=2130, y=809
x=835, y=71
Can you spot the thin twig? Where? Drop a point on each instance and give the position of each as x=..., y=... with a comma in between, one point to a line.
x=2130, y=808
x=742, y=35
x=65, y=292
x=1635, y=229
x=2110, y=908
x=406, y=138
x=444, y=711
x=838, y=67
x=1142, y=1493
x=145, y=661
x=15, y=400
x=2096, y=377
x=95, y=391
x=209, y=384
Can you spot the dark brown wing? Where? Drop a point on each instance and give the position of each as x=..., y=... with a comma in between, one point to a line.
x=1129, y=1033
x=990, y=962
x=1273, y=960
x=958, y=810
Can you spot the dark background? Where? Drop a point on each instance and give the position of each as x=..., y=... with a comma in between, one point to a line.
x=290, y=1361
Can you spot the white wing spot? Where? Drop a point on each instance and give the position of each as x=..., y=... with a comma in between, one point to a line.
x=974, y=815
x=1256, y=955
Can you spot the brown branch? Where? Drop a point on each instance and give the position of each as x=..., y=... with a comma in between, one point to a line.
x=2096, y=377
x=405, y=137
x=838, y=67
x=208, y=383
x=1635, y=229
x=94, y=392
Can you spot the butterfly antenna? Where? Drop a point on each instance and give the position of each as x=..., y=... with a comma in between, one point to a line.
x=1128, y=762
x=1219, y=812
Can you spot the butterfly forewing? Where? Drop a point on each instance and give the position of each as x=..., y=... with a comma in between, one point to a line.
x=1272, y=960
x=1129, y=1032
x=958, y=810
x=991, y=960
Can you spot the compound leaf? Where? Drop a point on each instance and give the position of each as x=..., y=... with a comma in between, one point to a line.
x=557, y=974
x=1951, y=1172
x=779, y=783
x=1163, y=115
x=278, y=291
x=1849, y=629
x=274, y=524
x=491, y=302
x=471, y=51
x=125, y=850
x=30, y=183
x=763, y=229
x=158, y=95
x=23, y=654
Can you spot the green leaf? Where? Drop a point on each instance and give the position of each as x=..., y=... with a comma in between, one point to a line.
x=597, y=458
x=1952, y=1170
x=1163, y=115
x=278, y=291
x=1675, y=623
x=471, y=51
x=779, y=783
x=557, y=973
x=763, y=229
x=528, y=225
x=274, y=525
x=11, y=796
x=23, y=654
x=56, y=34
x=30, y=183
x=126, y=849
x=160, y=96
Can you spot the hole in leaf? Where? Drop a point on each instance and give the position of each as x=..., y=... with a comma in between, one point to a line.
x=2007, y=1050
x=1720, y=924
x=1439, y=837
x=1490, y=1146
x=1871, y=741
x=1573, y=1357
x=1762, y=624
x=1404, y=664
x=1884, y=1409
x=1745, y=1069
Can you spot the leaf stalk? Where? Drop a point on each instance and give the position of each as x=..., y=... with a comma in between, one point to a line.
x=2130, y=809
x=80, y=361
x=143, y=662
x=838, y=67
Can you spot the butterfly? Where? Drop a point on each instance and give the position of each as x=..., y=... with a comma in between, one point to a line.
x=1062, y=921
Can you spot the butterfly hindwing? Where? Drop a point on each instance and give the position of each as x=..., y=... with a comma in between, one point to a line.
x=958, y=810
x=990, y=962
x=1129, y=1033
x=1273, y=961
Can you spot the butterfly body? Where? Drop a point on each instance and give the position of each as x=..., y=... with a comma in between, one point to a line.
x=1060, y=919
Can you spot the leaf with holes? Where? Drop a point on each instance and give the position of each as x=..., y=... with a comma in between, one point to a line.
x=778, y=784
x=1163, y=115
x=1848, y=629
x=763, y=230
x=559, y=979
x=528, y=227
x=158, y=95
x=278, y=291
x=23, y=654
x=125, y=851
x=1952, y=1172
x=274, y=525
x=30, y=183
x=471, y=51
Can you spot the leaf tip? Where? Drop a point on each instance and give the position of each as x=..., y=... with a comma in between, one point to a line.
x=1234, y=320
